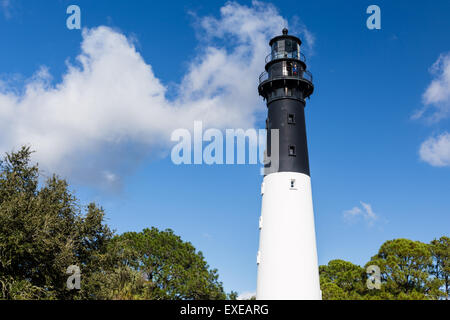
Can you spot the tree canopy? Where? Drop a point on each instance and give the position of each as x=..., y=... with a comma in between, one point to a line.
x=164, y=266
x=409, y=270
x=44, y=229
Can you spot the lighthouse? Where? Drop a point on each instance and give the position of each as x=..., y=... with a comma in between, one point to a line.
x=287, y=257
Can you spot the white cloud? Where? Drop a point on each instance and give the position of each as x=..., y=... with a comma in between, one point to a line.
x=436, y=98
x=5, y=6
x=246, y=295
x=436, y=150
x=355, y=211
x=110, y=177
x=110, y=109
x=369, y=214
x=365, y=211
x=308, y=38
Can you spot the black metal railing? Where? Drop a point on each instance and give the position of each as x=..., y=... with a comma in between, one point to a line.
x=302, y=74
x=283, y=54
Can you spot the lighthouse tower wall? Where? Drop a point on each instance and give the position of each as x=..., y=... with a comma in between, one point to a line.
x=287, y=258
x=288, y=116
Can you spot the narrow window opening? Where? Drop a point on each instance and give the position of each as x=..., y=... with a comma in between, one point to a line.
x=292, y=183
x=292, y=151
x=291, y=118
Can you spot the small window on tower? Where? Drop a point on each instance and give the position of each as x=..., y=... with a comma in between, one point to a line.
x=292, y=183
x=292, y=151
x=291, y=118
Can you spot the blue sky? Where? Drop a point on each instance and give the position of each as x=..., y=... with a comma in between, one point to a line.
x=370, y=146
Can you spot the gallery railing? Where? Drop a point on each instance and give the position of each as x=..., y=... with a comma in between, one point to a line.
x=301, y=74
x=283, y=54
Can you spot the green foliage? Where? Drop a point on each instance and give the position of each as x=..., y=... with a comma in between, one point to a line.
x=44, y=230
x=440, y=250
x=233, y=295
x=410, y=270
x=331, y=291
x=342, y=280
x=164, y=266
x=404, y=266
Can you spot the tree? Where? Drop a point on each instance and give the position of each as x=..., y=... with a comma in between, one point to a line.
x=233, y=295
x=404, y=266
x=43, y=231
x=342, y=280
x=410, y=270
x=163, y=266
x=440, y=251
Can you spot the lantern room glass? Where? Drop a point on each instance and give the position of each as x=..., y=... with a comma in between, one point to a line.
x=285, y=48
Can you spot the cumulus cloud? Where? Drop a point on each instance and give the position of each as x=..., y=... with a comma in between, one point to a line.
x=110, y=110
x=364, y=211
x=436, y=150
x=436, y=98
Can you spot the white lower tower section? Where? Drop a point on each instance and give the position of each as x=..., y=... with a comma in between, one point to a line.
x=287, y=258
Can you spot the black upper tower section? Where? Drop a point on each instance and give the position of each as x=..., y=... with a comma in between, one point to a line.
x=285, y=85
